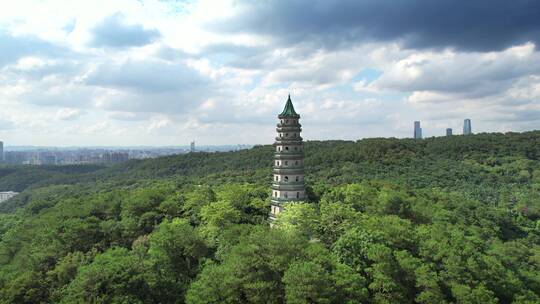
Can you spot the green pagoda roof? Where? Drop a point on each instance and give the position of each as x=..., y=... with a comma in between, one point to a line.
x=289, y=111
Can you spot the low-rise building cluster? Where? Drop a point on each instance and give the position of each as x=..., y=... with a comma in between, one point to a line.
x=4, y=196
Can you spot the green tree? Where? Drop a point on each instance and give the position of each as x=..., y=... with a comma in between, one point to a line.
x=307, y=282
x=298, y=218
x=217, y=216
x=174, y=256
x=115, y=276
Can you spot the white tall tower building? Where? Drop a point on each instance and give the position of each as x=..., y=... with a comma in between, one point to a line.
x=288, y=182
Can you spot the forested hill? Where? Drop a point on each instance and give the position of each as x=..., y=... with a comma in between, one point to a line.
x=494, y=160
x=441, y=220
x=322, y=155
x=19, y=178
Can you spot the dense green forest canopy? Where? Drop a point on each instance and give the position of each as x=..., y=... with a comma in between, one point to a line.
x=19, y=178
x=441, y=220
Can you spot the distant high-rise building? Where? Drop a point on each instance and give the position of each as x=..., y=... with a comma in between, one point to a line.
x=1, y=151
x=192, y=148
x=467, y=130
x=448, y=131
x=417, y=130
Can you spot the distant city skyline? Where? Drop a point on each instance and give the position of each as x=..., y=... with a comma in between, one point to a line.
x=417, y=134
x=162, y=73
x=99, y=155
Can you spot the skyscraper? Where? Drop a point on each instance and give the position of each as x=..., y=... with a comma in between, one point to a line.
x=288, y=182
x=448, y=131
x=1, y=151
x=467, y=129
x=417, y=130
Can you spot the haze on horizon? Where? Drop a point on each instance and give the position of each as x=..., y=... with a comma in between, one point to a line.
x=162, y=73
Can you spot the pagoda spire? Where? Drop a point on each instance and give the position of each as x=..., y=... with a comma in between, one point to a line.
x=289, y=111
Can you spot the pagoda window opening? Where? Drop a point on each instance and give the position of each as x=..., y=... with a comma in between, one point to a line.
x=277, y=178
x=286, y=163
x=286, y=178
x=287, y=148
x=297, y=194
x=286, y=195
x=275, y=193
x=297, y=179
x=286, y=134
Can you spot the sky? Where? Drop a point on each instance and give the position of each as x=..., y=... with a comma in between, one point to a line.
x=147, y=72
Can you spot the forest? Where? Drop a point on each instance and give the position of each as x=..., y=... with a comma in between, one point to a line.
x=440, y=220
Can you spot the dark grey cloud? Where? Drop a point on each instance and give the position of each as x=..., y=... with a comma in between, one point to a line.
x=13, y=48
x=480, y=25
x=114, y=32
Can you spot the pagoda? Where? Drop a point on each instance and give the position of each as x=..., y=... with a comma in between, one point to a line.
x=288, y=182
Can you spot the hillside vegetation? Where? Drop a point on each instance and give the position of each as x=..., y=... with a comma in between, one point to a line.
x=442, y=220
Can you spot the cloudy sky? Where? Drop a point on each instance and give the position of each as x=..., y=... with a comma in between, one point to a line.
x=148, y=72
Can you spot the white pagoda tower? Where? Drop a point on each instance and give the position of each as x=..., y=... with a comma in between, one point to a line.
x=288, y=183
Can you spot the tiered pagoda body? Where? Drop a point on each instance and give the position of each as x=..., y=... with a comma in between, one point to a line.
x=288, y=183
